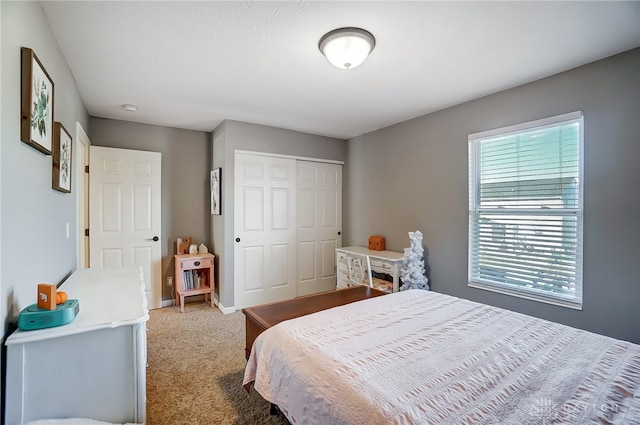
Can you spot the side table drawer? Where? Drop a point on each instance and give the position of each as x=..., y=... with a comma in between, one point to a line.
x=191, y=263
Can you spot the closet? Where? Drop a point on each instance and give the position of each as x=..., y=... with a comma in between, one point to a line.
x=287, y=225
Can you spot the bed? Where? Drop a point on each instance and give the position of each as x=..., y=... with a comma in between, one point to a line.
x=420, y=357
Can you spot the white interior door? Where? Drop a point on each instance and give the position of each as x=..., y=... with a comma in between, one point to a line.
x=124, y=214
x=319, y=188
x=265, y=229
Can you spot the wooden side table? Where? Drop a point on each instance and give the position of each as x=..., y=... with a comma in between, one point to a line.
x=194, y=276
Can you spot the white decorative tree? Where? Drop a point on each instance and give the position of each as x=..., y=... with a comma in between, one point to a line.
x=413, y=273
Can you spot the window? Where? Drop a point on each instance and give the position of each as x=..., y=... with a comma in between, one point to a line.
x=525, y=210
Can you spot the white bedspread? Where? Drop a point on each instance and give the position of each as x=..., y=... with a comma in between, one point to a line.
x=418, y=357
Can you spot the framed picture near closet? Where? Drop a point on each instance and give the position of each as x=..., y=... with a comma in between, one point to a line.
x=36, y=126
x=61, y=158
x=216, y=191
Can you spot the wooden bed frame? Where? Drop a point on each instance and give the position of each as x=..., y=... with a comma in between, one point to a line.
x=262, y=317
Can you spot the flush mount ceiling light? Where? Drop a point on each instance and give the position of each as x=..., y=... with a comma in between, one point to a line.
x=129, y=108
x=348, y=47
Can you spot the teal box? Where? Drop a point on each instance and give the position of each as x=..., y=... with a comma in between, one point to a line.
x=32, y=317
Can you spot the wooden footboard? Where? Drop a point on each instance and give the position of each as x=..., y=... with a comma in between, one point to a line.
x=262, y=317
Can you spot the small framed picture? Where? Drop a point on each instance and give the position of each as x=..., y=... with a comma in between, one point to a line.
x=216, y=191
x=61, y=158
x=36, y=126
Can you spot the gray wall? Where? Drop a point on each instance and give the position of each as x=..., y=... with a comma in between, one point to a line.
x=33, y=216
x=414, y=175
x=233, y=135
x=185, y=179
x=219, y=143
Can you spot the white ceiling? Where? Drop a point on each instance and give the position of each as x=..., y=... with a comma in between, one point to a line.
x=191, y=65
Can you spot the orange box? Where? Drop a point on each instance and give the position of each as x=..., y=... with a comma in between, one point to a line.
x=376, y=243
x=46, y=296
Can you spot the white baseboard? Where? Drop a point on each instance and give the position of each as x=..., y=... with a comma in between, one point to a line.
x=168, y=303
x=226, y=310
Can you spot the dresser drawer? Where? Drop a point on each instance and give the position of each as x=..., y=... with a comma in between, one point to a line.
x=191, y=263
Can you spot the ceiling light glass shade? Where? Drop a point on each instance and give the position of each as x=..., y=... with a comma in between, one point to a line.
x=346, y=48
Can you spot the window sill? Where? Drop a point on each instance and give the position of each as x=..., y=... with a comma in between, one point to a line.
x=526, y=295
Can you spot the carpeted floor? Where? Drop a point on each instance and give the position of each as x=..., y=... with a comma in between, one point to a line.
x=196, y=364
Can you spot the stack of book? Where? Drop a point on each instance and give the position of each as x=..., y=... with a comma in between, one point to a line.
x=194, y=279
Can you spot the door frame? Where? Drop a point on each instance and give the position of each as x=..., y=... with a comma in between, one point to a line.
x=277, y=155
x=83, y=144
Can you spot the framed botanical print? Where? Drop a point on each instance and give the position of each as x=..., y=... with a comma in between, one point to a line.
x=61, y=158
x=215, y=191
x=36, y=127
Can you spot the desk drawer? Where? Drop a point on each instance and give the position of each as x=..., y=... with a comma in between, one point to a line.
x=381, y=266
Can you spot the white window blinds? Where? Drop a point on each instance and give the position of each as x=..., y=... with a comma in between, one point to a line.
x=525, y=210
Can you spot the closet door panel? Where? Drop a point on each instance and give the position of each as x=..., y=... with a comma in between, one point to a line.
x=319, y=187
x=265, y=230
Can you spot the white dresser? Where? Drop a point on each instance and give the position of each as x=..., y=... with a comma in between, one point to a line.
x=94, y=367
x=383, y=262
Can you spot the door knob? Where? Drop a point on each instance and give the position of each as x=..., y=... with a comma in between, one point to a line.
x=339, y=233
x=237, y=239
x=155, y=239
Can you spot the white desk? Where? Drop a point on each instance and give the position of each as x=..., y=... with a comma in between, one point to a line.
x=94, y=367
x=387, y=262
